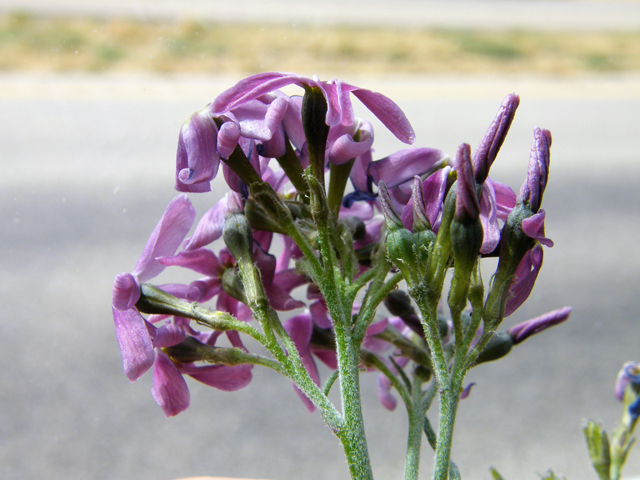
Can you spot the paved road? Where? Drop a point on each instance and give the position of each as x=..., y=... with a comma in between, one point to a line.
x=530, y=14
x=85, y=178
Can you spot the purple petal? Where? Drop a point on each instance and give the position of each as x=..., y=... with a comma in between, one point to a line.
x=168, y=335
x=126, y=291
x=505, y=198
x=166, y=238
x=169, y=388
x=320, y=314
x=630, y=373
x=358, y=175
x=251, y=88
x=134, y=341
x=404, y=165
x=466, y=391
x=209, y=228
x=328, y=357
x=384, y=392
x=524, y=330
x=228, y=137
x=375, y=344
x=534, y=227
x=489, y=219
x=525, y=278
x=198, y=142
x=222, y=377
x=388, y=113
x=299, y=329
x=346, y=148
x=201, y=260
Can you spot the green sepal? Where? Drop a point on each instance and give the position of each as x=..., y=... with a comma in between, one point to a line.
x=499, y=346
x=599, y=450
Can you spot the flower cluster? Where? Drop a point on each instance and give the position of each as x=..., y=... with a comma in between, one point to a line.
x=412, y=215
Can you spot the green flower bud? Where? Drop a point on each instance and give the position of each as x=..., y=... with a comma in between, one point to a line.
x=598, y=445
x=498, y=347
x=316, y=130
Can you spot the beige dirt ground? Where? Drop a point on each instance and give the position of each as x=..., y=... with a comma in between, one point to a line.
x=29, y=43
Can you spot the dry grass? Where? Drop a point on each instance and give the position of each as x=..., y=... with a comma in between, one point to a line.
x=58, y=44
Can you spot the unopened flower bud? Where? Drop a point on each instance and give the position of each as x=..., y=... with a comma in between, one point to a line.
x=400, y=244
x=599, y=450
x=524, y=330
x=538, y=171
x=466, y=229
x=487, y=151
x=498, y=347
x=238, y=237
x=316, y=130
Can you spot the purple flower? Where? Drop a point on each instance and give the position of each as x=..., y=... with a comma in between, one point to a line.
x=524, y=330
x=629, y=375
x=136, y=345
x=336, y=93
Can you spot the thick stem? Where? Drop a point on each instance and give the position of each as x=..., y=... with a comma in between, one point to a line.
x=416, y=413
x=352, y=436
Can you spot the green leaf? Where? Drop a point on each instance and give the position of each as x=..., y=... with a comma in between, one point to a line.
x=495, y=474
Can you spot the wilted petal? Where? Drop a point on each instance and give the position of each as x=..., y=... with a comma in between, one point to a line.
x=134, y=341
x=166, y=238
x=169, y=388
x=525, y=278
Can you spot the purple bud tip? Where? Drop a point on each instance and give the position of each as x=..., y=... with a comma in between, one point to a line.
x=390, y=214
x=538, y=171
x=467, y=206
x=493, y=139
x=524, y=330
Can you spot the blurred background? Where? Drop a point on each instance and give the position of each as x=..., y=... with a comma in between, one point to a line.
x=93, y=94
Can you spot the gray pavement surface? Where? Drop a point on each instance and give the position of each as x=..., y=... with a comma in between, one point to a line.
x=492, y=14
x=87, y=170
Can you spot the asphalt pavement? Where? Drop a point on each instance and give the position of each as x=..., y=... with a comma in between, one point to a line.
x=88, y=165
